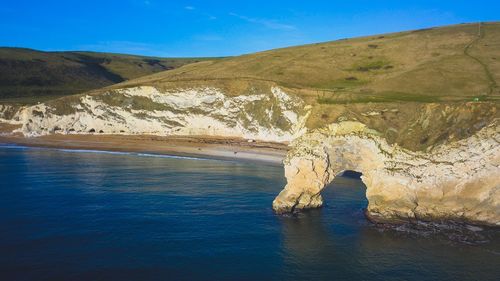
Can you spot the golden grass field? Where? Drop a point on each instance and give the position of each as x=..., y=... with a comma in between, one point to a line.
x=452, y=63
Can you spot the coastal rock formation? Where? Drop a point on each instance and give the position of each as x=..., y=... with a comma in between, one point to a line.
x=455, y=181
x=270, y=116
x=453, y=178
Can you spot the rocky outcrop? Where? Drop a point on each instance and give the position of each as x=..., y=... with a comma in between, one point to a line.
x=270, y=116
x=455, y=181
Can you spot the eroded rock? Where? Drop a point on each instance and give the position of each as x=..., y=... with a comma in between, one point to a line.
x=456, y=181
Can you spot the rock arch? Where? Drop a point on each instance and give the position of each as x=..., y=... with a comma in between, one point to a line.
x=458, y=181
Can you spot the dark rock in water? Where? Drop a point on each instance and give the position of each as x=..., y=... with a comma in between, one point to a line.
x=454, y=232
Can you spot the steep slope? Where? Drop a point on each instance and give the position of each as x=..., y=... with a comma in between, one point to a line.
x=416, y=112
x=30, y=75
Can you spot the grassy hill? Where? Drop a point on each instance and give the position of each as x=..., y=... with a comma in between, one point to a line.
x=30, y=76
x=460, y=62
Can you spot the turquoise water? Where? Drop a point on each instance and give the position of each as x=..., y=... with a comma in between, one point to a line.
x=67, y=215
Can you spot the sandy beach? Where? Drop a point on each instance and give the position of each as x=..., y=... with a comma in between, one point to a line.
x=199, y=146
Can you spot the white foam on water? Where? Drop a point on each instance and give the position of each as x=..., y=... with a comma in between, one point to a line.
x=15, y=146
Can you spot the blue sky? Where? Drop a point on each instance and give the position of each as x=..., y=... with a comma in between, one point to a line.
x=217, y=28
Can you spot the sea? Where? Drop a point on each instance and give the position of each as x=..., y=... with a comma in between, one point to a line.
x=90, y=215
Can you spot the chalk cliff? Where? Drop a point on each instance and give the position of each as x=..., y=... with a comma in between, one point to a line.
x=270, y=116
x=456, y=181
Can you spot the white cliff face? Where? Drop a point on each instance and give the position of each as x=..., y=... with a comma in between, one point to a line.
x=273, y=116
x=457, y=181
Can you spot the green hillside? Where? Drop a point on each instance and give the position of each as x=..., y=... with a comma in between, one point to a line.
x=460, y=62
x=30, y=76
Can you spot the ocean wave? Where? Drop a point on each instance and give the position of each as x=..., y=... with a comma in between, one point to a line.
x=170, y=156
x=15, y=146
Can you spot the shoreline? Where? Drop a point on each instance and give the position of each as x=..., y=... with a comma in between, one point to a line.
x=184, y=146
